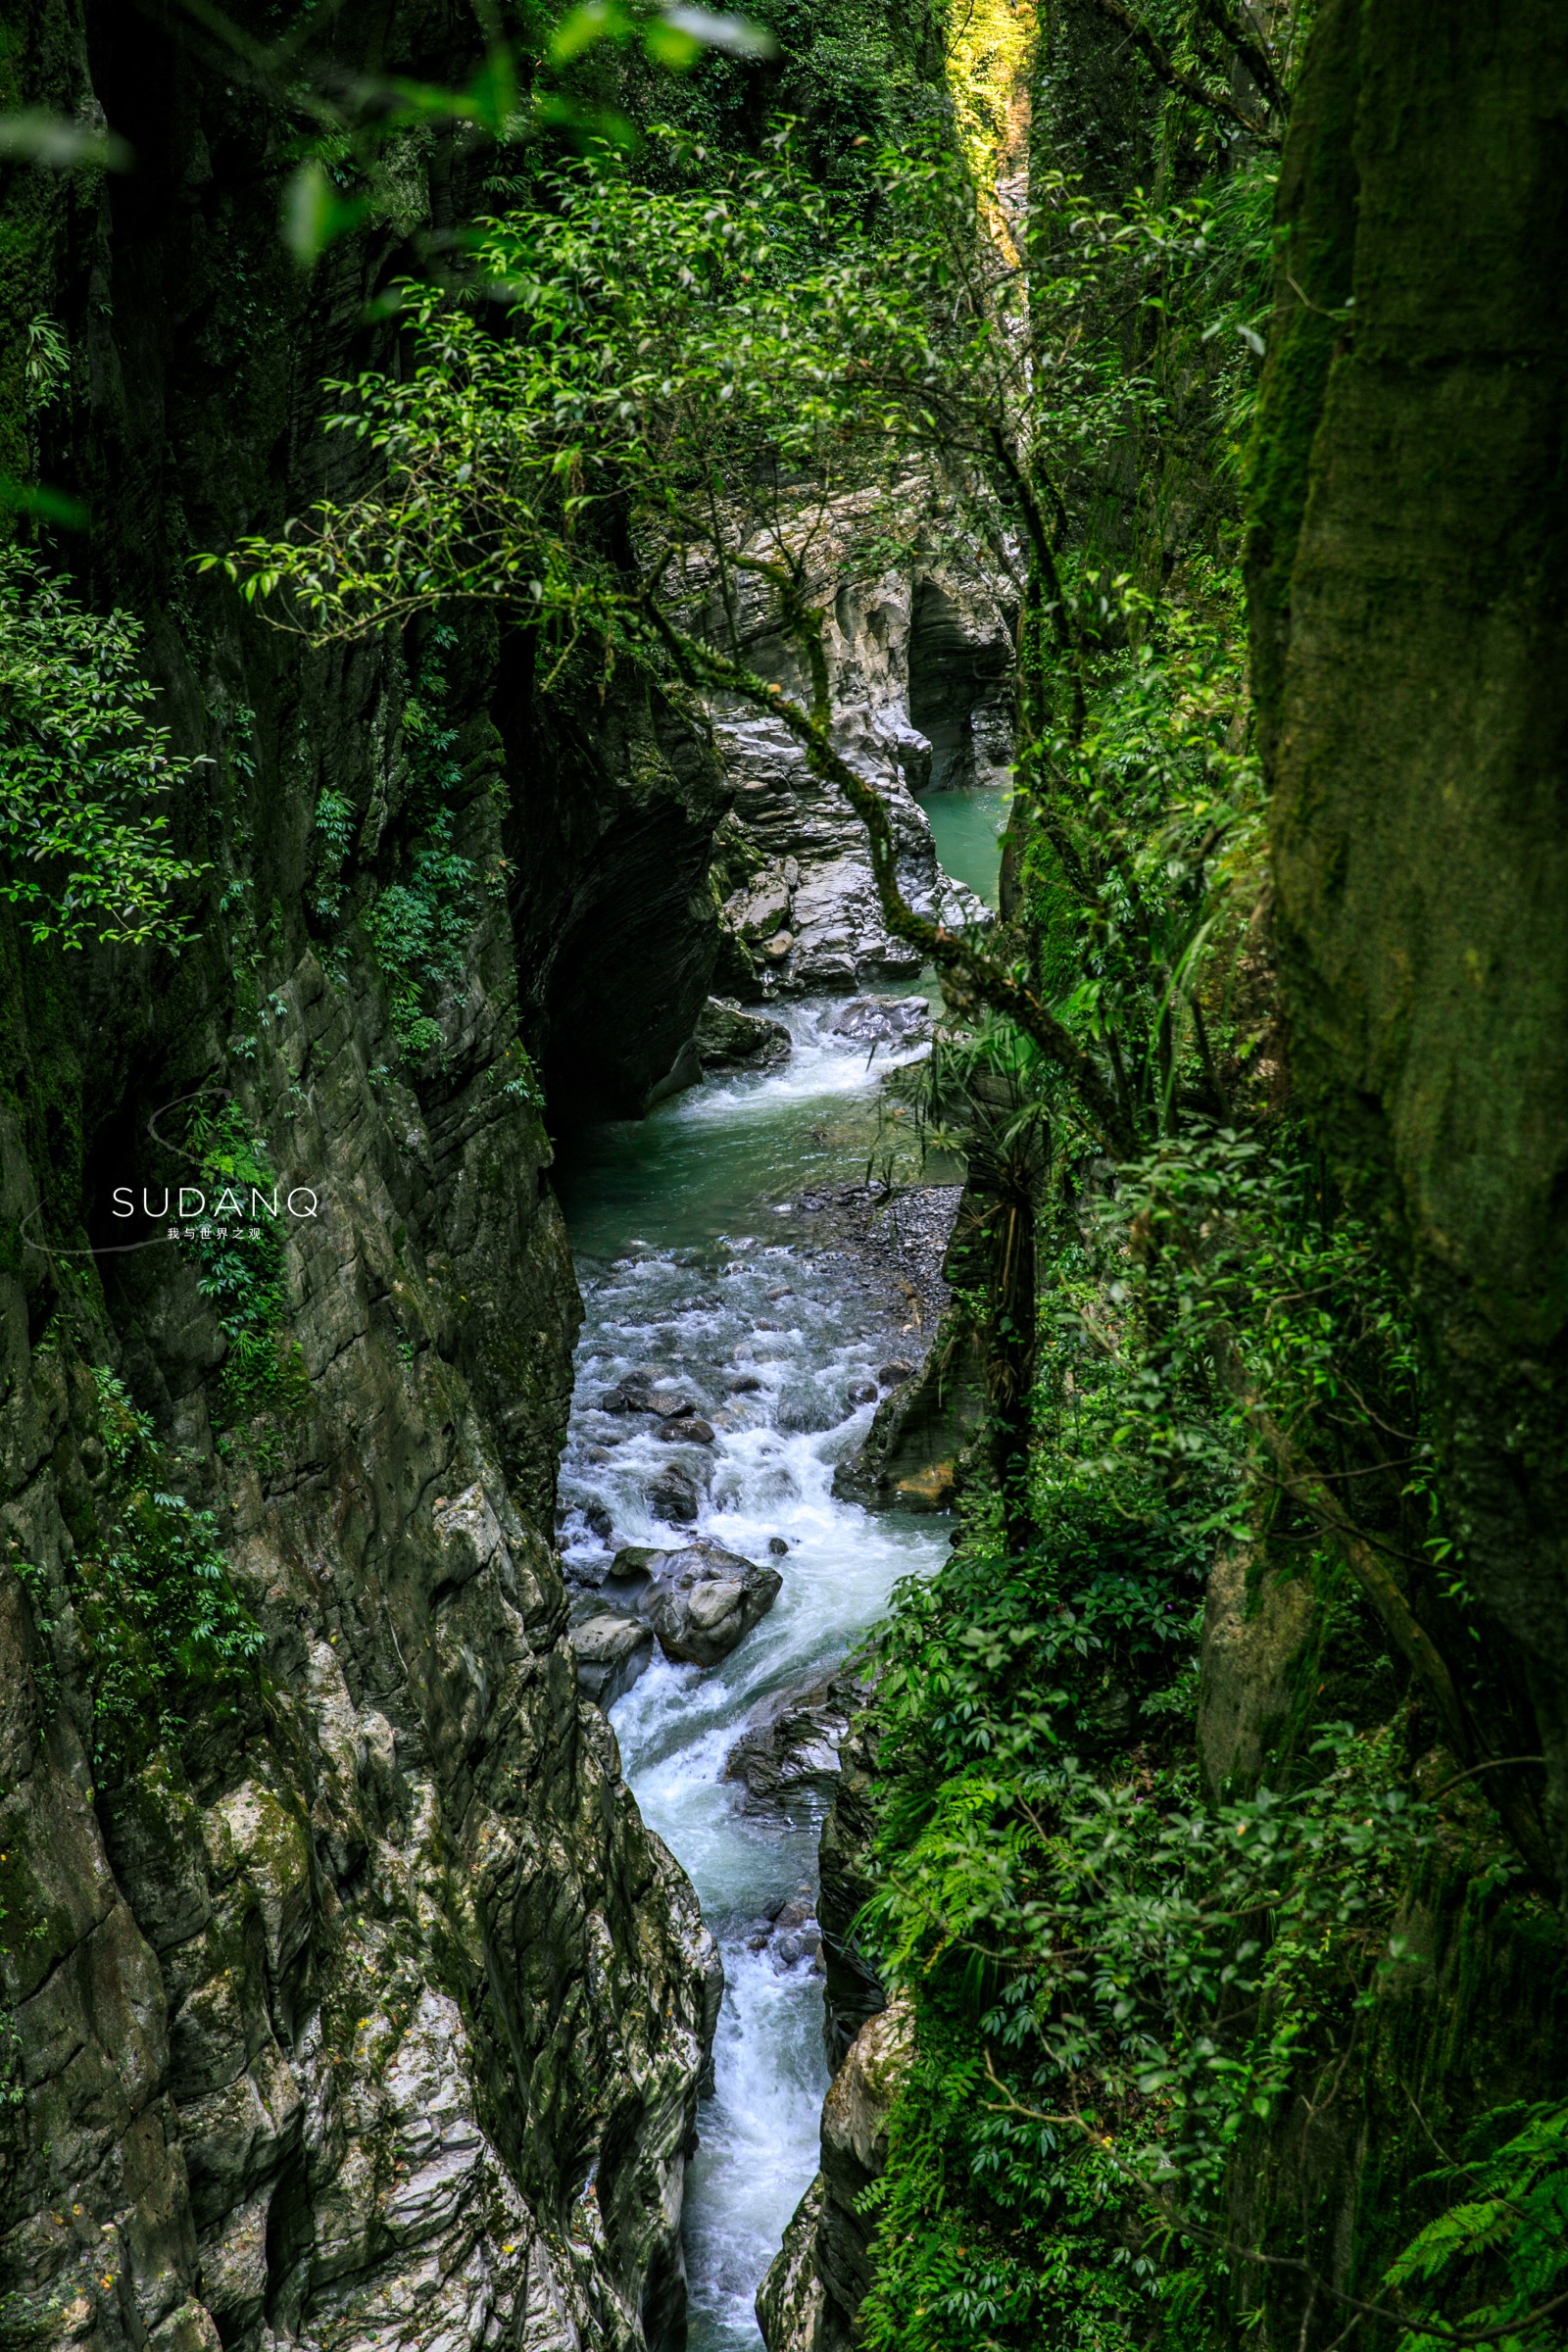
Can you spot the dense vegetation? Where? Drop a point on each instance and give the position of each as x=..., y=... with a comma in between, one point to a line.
x=1164, y=1937
x=1135, y=1970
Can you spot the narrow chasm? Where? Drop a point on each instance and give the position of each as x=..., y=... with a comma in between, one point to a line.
x=748, y=1302
x=783, y=1163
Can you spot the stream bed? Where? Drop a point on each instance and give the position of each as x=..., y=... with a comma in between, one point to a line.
x=710, y=1258
x=696, y=1257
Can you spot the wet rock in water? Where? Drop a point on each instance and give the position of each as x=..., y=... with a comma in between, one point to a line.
x=791, y=1739
x=883, y=1022
x=649, y=1392
x=704, y=1600
x=729, y=1038
x=787, y=1928
x=820, y=2276
x=796, y=1936
x=674, y=1494
x=743, y=1384
x=688, y=1429
x=634, y=1560
x=595, y=1517
x=611, y=1652
x=670, y=1404
x=892, y=1375
x=862, y=1392
x=779, y=1546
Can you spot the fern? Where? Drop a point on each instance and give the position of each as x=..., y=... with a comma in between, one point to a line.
x=1499, y=2259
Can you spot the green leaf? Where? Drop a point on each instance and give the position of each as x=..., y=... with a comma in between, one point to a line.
x=35, y=137
x=314, y=213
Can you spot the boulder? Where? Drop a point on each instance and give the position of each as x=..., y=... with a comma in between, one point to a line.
x=688, y=1429
x=669, y=1404
x=728, y=1038
x=883, y=1020
x=611, y=1652
x=673, y=1493
x=790, y=1742
x=704, y=1600
x=635, y=1559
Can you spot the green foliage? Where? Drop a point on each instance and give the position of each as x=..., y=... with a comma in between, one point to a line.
x=1496, y=2261
x=163, y=1635
x=1117, y=1985
x=263, y=1370
x=335, y=822
x=80, y=763
x=1256, y=1289
x=1144, y=863
x=419, y=927
x=48, y=363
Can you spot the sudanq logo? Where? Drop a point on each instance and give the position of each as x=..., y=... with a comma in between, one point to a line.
x=191, y=1202
x=209, y=1207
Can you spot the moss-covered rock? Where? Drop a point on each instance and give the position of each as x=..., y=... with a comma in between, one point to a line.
x=345, y=1995
x=1410, y=609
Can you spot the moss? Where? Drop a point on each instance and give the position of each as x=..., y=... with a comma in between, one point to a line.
x=1411, y=608
x=1315, y=220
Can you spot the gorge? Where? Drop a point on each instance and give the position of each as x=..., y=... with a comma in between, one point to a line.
x=844, y=735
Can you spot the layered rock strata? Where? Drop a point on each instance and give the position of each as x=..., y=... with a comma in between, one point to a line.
x=907, y=652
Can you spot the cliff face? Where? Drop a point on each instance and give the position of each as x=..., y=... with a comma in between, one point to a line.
x=343, y=1996
x=1409, y=619
x=920, y=661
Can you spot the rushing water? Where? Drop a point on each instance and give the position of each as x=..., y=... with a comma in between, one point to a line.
x=692, y=1257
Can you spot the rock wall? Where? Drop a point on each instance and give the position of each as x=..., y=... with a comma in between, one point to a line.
x=921, y=664
x=344, y=1998
x=1411, y=642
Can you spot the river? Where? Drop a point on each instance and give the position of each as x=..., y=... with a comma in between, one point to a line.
x=695, y=1254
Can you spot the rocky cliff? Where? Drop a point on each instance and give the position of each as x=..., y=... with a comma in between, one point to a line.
x=344, y=1999
x=920, y=662
x=1408, y=631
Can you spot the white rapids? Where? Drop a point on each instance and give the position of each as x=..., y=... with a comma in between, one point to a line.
x=694, y=1260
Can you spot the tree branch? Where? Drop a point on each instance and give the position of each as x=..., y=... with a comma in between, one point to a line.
x=1249, y=47
x=1214, y=102
x=974, y=970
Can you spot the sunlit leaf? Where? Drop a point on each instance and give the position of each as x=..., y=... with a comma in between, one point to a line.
x=580, y=29
x=35, y=137
x=314, y=213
